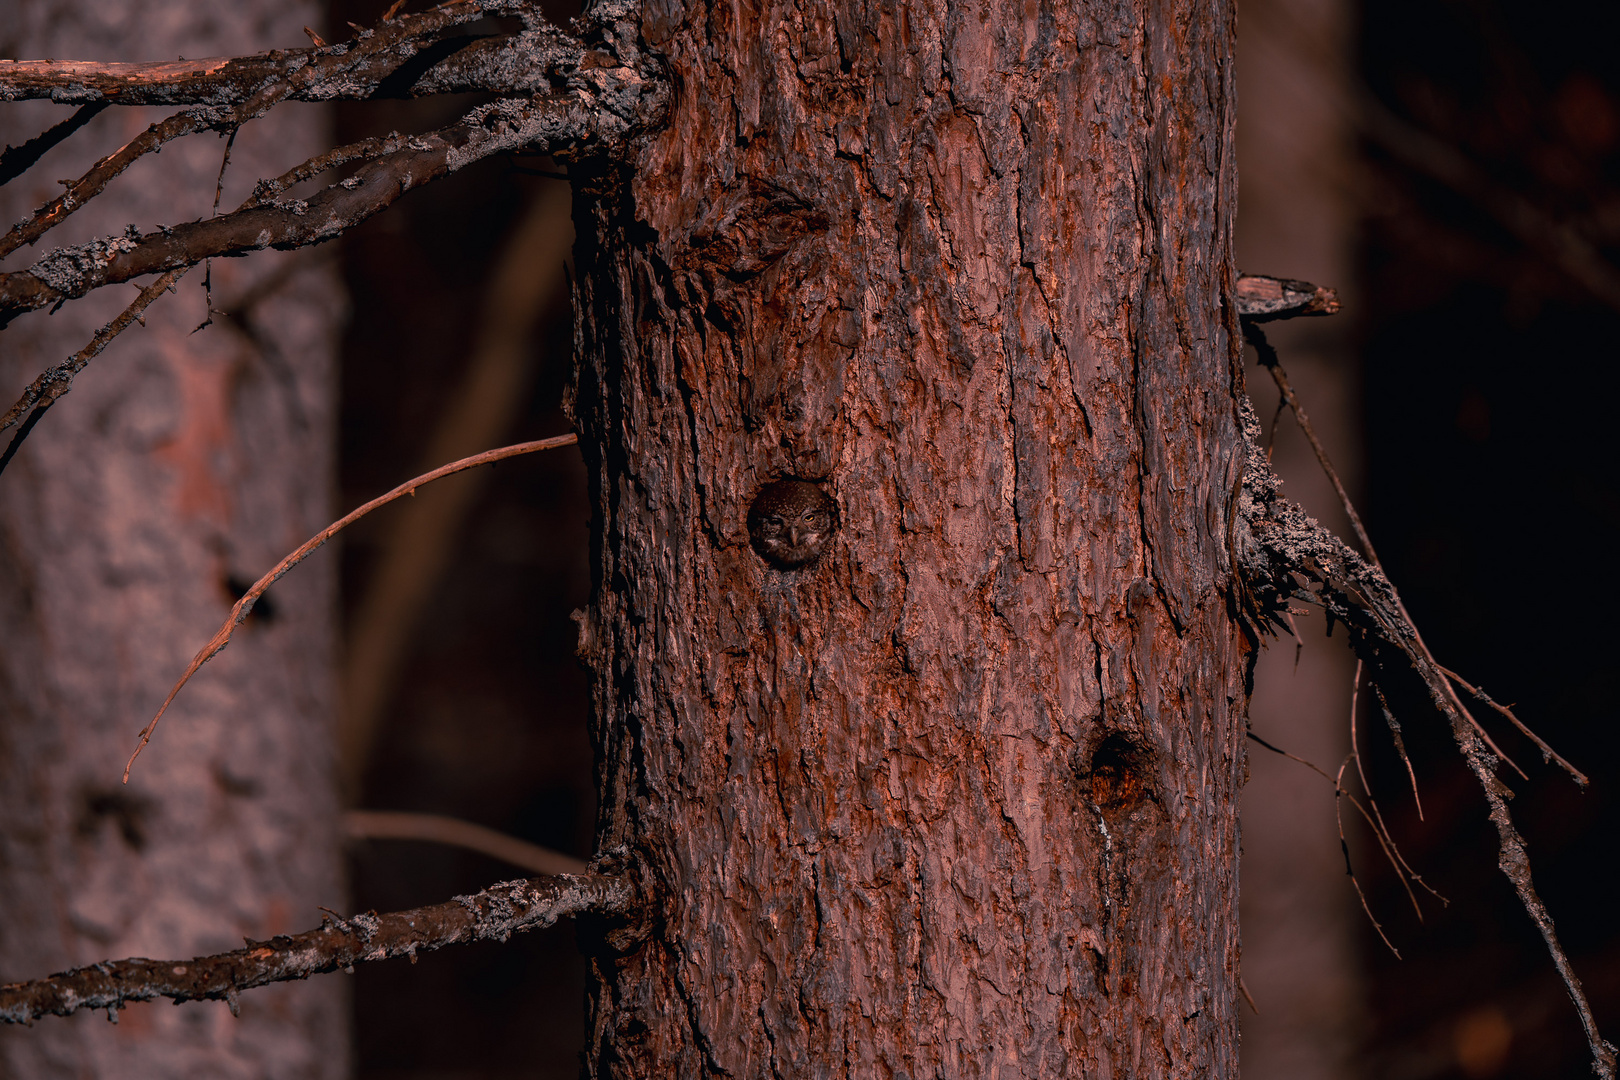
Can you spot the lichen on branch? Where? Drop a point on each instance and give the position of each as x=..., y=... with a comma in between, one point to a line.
x=494, y=914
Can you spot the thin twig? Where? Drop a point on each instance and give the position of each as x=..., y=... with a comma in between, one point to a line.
x=1273, y=363
x=68, y=273
x=44, y=391
x=1379, y=826
x=1547, y=752
x=244, y=606
x=1400, y=745
x=1392, y=853
x=1289, y=553
x=439, y=829
x=208, y=267
x=324, y=65
x=1344, y=846
x=493, y=914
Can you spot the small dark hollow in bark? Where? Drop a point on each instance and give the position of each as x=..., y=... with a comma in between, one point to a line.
x=1117, y=775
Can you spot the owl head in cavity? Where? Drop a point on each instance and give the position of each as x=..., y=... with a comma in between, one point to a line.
x=791, y=522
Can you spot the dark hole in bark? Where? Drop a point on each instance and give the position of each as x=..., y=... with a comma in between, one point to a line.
x=1117, y=780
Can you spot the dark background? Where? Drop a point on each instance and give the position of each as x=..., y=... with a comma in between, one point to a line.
x=1490, y=382
x=1490, y=389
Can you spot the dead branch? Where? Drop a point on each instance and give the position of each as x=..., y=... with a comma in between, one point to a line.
x=494, y=914
x=1261, y=298
x=1285, y=555
x=244, y=606
x=389, y=47
x=1547, y=752
x=523, y=63
x=555, y=124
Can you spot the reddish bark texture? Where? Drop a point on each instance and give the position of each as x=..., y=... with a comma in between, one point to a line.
x=959, y=799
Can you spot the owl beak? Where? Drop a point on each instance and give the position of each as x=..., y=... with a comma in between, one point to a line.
x=793, y=535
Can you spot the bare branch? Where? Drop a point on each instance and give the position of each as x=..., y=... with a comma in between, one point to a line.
x=1547, y=752
x=244, y=606
x=364, y=150
x=1270, y=360
x=553, y=124
x=494, y=914
x=1286, y=555
x=420, y=61
x=390, y=47
x=95, y=181
x=1262, y=299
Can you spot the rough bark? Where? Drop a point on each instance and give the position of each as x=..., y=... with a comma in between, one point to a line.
x=960, y=799
x=179, y=463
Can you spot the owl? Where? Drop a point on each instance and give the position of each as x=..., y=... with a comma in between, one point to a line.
x=790, y=522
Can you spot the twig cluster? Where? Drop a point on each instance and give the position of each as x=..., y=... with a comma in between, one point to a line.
x=568, y=96
x=1286, y=555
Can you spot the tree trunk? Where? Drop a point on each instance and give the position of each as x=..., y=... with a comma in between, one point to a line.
x=959, y=798
x=179, y=468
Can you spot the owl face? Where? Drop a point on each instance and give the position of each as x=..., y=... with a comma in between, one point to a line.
x=790, y=523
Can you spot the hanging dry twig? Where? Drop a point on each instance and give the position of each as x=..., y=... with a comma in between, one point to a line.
x=494, y=914
x=1341, y=792
x=1344, y=848
x=244, y=606
x=1286, y=555
x=1400, y=745
x=1380, y=829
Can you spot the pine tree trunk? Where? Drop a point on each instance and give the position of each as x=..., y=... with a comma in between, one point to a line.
x=959, y=798
x=179, y=468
